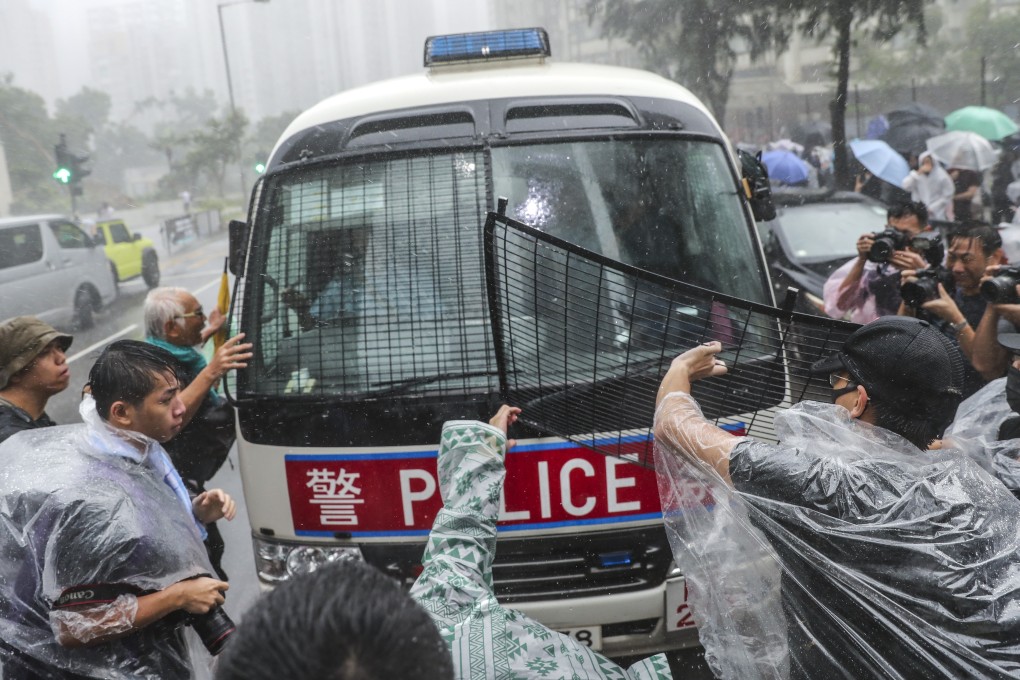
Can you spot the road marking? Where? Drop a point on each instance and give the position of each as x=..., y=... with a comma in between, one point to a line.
x=214, y=282
x=134, y=326
x=101, y=343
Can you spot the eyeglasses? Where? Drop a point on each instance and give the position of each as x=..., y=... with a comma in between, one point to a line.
x=197, y=312
x=836, y=378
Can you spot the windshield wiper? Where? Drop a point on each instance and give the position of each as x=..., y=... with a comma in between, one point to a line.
x=398, y=387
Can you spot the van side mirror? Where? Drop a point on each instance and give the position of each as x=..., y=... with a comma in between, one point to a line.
x=757, y=190
x=238, y=233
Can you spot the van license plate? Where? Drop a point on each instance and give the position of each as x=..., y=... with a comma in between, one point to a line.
x=590, y=636
x=678, y=611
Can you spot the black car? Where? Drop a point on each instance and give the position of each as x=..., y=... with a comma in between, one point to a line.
x=814, y=233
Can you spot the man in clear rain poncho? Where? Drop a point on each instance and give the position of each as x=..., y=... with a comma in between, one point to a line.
x=987, y=424
x=101, y=552
x=488, y=641
x=845, y=551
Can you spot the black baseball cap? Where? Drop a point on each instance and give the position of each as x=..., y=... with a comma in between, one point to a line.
x=1010, y=341
x=902, y=362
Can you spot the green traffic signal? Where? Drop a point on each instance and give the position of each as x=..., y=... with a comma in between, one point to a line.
x=260, y=168
x=62, y=175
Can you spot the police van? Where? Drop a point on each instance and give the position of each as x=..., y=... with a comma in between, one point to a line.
x=361, y=283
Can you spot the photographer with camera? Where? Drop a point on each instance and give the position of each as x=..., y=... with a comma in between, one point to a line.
x=957, y=312
x=101, y=553
x=868, y=286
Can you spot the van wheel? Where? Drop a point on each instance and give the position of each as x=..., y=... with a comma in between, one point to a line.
x=150, y=270
x=84, y=306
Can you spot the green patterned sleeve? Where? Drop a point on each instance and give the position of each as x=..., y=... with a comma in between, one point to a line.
x=461, y=546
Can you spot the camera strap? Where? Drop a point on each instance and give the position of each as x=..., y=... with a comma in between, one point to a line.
x=94, y=594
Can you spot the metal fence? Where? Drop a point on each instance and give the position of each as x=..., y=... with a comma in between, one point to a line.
x=582, y=343
x=177, y=232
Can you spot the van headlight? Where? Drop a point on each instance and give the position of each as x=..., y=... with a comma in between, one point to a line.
x=277, y=562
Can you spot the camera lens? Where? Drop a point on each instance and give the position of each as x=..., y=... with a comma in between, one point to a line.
x=999, y=289
x=214, y=628
x=915, y=293
x=881, y=250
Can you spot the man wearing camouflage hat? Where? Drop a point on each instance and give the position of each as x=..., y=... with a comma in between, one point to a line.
x=33, y=368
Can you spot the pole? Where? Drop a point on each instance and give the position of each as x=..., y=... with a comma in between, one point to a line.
x=913, y=90
x=982, y=80
x=857, y=107
x=230, y=91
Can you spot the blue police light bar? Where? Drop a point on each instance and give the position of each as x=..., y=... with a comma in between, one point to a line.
x=465, y=48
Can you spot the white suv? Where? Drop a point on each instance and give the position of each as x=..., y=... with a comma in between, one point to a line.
x=51, y=269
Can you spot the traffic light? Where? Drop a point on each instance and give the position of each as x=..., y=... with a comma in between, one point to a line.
x=71, y=167
x=64, y=172
x=78, y=169
x=260, y=163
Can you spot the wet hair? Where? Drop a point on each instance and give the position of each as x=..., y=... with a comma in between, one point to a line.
x=343, y=621
x=162, y=305
x=128, y=371
x=915, y=208
x=985, y=234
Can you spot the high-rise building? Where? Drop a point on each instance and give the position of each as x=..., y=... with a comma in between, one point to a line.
x=28, y=50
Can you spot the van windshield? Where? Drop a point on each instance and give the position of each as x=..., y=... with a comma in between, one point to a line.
x=374, y=280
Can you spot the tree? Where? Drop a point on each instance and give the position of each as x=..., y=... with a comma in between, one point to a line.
x=268, y=130
x=693, y=42
x=83, y=115
x=28, y=136
x=879, y=20
x=214, y=147
x=992, y=33
x=119, y=146
x=928, y=63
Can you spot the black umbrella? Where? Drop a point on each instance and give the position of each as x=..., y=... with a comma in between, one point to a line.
x=915, y=113
x=910, y=138
x=812, y=133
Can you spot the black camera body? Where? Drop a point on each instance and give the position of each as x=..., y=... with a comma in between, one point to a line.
x=926, y=287
x=1001, y=288
x=214, y=628
x=886, y=243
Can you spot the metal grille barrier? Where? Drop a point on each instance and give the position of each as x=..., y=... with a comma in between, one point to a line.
x=582, y=343
x=393, y=284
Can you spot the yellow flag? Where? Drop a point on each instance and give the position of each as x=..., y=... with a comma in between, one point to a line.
x=222, y=304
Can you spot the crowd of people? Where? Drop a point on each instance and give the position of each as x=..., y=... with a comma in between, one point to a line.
x=882, y=530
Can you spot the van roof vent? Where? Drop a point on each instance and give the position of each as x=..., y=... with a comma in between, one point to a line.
x=579, y=116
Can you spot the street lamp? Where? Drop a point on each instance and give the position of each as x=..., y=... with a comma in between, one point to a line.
x=230, y=84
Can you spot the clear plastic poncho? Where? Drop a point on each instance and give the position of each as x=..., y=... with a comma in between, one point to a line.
x=976, y=430
x=82, y=505
x=843, y=552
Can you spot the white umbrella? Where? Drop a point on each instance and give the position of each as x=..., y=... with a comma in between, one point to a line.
x=963, y=150
x=786, y=145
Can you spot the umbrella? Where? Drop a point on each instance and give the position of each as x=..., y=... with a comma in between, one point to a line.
x=877, y=127
x=785, y=166
x=881, y=160
x=964, y=150
x=786, y=145
x=915, y=113
x=910, y=138
x=813, y=133
x=989, y=123
x=222, y=304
